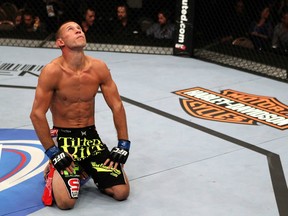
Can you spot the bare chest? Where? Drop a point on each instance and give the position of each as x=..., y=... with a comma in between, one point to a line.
x=77, y=87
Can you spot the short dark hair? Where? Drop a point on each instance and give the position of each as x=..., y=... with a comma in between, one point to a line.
x=58, y=32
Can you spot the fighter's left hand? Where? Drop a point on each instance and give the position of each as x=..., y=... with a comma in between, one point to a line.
x=119, y=154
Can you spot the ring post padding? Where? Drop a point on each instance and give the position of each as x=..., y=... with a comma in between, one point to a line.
x=183, y=45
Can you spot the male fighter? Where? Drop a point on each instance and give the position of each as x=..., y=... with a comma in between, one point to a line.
x=68, y=86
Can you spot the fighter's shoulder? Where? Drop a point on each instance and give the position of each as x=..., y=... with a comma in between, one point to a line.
x=52, y=67
x=95, y=62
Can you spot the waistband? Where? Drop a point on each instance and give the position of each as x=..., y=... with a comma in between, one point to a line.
x=73, y=130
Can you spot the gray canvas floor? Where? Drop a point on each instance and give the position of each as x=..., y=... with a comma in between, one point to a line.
x=179, y=164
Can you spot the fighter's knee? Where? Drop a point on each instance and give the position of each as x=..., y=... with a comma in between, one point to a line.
x=119, y=193
x=65, y=205
x=120, y=196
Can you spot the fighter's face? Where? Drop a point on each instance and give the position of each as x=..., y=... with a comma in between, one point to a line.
x=71, y=35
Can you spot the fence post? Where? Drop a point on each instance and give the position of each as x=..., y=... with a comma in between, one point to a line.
x=183, y=45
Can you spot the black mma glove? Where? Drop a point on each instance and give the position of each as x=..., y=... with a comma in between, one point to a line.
x=120, y=153
x=60, y=160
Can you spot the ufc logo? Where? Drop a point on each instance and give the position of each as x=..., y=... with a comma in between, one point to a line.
x=120, y=151
x=58, y=158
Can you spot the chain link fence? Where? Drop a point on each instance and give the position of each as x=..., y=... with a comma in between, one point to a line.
x=247, y=35
x=110, y=25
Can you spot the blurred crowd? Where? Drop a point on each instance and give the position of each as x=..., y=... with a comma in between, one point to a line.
x=32, y=18
x=261, y=26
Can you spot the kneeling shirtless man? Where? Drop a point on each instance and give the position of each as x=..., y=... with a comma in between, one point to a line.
x=68, y=86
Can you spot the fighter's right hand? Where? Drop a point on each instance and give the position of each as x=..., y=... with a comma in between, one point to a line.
x=61, y=160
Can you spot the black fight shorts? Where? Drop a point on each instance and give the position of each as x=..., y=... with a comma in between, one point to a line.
x=89, y=155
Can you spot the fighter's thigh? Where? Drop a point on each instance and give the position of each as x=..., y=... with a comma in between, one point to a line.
x=60, y=192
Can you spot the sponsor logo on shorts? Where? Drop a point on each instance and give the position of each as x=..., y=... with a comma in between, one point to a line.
x=103, y=168
x=80, y=148
x=234, y=107
x=74, y=185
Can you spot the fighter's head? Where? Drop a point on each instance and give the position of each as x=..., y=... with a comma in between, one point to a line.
x=70, y=35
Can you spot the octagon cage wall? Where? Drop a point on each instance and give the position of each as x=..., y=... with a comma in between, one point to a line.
x=248, y=35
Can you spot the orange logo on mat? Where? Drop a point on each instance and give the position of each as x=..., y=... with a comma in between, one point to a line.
x=234, y=107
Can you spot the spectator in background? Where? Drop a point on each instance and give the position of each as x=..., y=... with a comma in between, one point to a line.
x=87, y=23
x=54, y=14
x=36, y=9
x=31, y=24
x=277, y=8
x=122, y=26
x=237, y=23
x=261, y=30
x=280, y=34
x=91, y=26
x=18, y=18
x=163, y=28
x=49, y=12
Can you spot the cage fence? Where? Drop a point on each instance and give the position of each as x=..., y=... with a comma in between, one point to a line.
x=247, y=35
